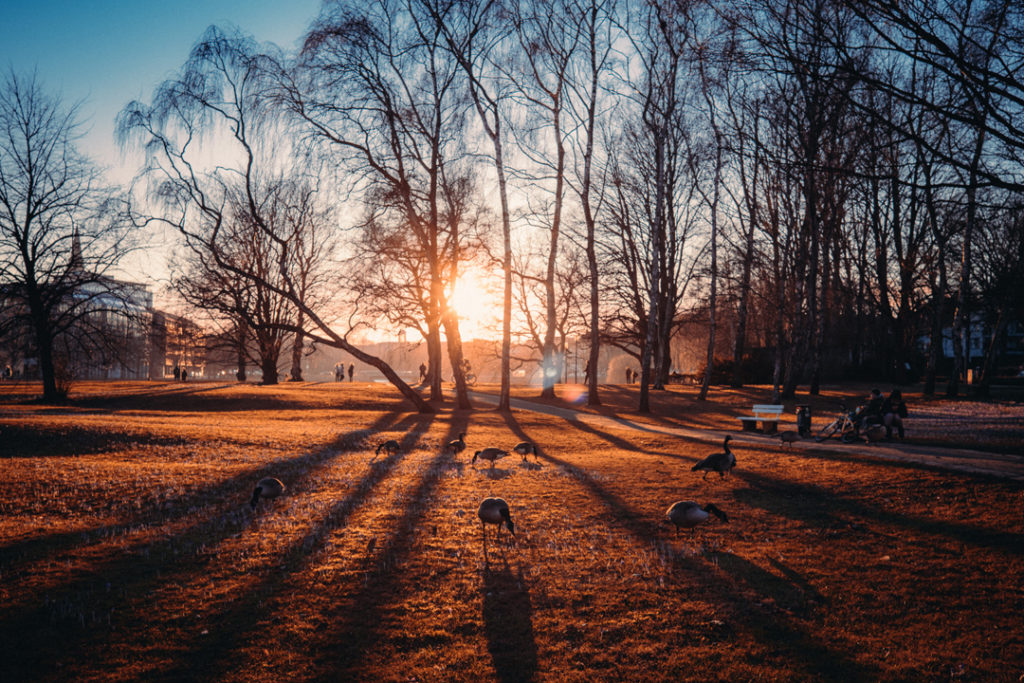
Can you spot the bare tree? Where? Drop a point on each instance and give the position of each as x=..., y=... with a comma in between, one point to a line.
x=474, y=35
x=597, y=38
x=376, y=87
x=61, y=234
x=220, y=91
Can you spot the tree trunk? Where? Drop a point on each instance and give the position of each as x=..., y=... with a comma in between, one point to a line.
x=434, y=363
x=242, y=332
x=991, y=356
x=297, y=348
x=657, y=236
x=713, y=298
x=550, y=364
x=739, y=346
x=268, y=364
x=962, y=319
x=44, y=345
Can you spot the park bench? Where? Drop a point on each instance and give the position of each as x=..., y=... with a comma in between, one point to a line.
x=768, y=414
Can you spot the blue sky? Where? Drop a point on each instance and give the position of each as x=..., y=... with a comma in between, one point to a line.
x=108, y=52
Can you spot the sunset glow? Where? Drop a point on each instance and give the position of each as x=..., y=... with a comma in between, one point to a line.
x=478, y=306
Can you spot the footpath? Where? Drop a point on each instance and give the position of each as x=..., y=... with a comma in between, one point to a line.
x=1004, y=466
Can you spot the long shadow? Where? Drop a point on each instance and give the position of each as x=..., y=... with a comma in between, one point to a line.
x=508, y=625
x=815, y=505
x=360, y=620
x=251, y=611
x=29, y=442
x=36, y=638
x=616, y=441
x=173, y=508
x=777, y=495
x=818, y=659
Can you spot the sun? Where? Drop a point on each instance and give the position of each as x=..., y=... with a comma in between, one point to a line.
x=478, y=306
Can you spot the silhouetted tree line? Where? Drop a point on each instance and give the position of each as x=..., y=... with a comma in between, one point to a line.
x=821, y=183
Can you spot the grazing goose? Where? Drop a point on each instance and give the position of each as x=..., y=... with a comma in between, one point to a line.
x=495, y=511
x=789, y=436
x=458, y=445
x=268, y=487
x=525, y=448
x=390, y=447
x=687, y=514
x=492, y=454
x=717, y=462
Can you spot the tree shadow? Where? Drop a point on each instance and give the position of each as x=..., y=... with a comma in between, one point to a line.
x=790, y=592
x=37, y=642
x=252, y=611
x=830, y=510
x=508, y=624
x=781, y=630
x=41, y=442
x=359, y=621
x=173, y=508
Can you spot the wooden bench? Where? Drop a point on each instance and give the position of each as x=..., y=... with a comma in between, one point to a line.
x=768, y=414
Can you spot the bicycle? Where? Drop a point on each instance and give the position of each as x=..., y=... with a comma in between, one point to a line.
x=844, y=424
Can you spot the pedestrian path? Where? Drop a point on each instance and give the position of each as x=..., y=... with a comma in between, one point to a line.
x=1005, y=466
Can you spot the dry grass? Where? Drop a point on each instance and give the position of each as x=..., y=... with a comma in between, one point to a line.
x=128, y=550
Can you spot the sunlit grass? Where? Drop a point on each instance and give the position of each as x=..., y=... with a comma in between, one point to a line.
x=128, y=550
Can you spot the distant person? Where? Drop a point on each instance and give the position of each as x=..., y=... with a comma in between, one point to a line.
x=177, y=373
x=339, y=372
x=351, y=371
x=184, y=375
x=586, y=374
x=636, y=376
x=894, y=409
x=629, y=375
x=423, y=372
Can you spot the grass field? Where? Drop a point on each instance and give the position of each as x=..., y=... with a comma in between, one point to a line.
x=128, y=550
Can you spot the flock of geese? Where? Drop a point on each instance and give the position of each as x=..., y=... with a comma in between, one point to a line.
x=684, y=514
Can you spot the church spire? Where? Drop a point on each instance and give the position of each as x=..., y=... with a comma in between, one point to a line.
x=76, y=251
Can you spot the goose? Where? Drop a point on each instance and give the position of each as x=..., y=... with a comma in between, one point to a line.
x=495, y=511
x=688, y=514
x=268, y=487
x=390, y=447
x=717, y=462
x=458, y=445
x=525, y=448
x=492, y=454
x=789, y=436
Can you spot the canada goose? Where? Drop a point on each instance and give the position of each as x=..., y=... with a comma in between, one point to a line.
x=492, y=454
x=717, y=462
x=687, y=514
x=495, y=511
x=268, y=487
x=525, y=448
x=458, y=445
x=789, y=436
x=390, y=447
x=874, y=433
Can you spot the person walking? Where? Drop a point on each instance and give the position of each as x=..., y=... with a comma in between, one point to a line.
x=351, y=371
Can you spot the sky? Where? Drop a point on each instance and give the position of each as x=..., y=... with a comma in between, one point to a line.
x=105, y=53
